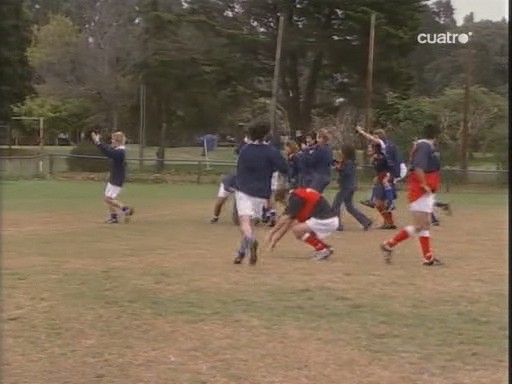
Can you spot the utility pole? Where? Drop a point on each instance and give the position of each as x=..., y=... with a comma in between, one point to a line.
x=369, y=77
x=142, y=123
x=464, y=137
x=275, y=80
x=369, y=83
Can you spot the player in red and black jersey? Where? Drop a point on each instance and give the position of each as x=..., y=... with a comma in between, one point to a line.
x=310, y=217
x=423, y=181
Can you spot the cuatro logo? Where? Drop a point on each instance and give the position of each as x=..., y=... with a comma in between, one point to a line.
x=444, y=38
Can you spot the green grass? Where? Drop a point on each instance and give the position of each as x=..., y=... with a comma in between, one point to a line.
x=159, y=300
x=29, y=194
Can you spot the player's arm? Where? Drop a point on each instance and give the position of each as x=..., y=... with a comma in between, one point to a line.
x=282, y=227
x=105, y=149
x=285, y=221
x=366, y=135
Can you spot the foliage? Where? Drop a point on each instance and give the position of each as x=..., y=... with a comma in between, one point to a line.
x=87, y=164
x=15, y=73
x=404, y=118
x=60, y=115
x=207, y=66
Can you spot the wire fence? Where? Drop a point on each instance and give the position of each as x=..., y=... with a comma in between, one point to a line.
x=208, y=171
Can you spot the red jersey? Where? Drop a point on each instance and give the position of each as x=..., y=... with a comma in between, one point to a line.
x=305, y=203
x=423, y=156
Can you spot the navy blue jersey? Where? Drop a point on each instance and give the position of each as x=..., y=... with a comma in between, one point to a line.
x=393, y=157
x=425, y=157
x=319, y=160
x=118, y=166
x=380, y=163
x=293, y=168
x=256, y=164
x=302, y=166
x=347, y=175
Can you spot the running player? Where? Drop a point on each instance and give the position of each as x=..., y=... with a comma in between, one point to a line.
x=423, y=182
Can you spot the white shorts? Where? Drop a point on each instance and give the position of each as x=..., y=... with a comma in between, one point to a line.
x=248, y=205
x=278, y=182
x=424, y=204
x=323, y=228
x=223, y=192
x=112, y=191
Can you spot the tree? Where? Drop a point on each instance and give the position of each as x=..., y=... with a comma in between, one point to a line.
x=61, y=116
x=195, y=77
x=489, y=41
x=487, y=118
x=15, y=73
x=469, y=18
x=324, y=49
x=93, y=63
x=444, y=13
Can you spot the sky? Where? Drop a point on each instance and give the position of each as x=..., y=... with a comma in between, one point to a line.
x=483, y=9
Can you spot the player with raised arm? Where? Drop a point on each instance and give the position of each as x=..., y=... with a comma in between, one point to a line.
x=116, y=152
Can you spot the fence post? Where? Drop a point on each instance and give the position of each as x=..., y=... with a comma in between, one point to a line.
x=448, y=173
x=50, y=164
x=199, y=171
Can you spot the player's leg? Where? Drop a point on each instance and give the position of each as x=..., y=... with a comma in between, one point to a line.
x=421, y=211
x=336, y=206
x=222, y=197
x=373, y=195
x=446, y=207
x=313, y=231
x=348, y=198
x=423, y=222
x=271, y=210
x=435, y=221
x=111, y=193
x=387, y=216
x=249, y=208
x=270, y=216
x=217, y=208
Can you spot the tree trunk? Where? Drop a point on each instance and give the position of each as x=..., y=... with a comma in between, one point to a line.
x=310, y=90
x=115, y=120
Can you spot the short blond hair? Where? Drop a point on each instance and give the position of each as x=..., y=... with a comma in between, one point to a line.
x=324, y=135
x=292, y=146
x=119, y=138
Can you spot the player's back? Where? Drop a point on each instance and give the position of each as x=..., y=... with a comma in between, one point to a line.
x=255, y=166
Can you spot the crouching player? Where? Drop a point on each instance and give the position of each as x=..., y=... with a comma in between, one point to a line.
x=311, y=219
x=227, y=188
x=423, y=181
x=117, y=175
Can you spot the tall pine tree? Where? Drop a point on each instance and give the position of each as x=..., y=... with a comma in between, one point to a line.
x=15, y=73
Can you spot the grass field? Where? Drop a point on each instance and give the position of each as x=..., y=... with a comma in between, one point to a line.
x=159, y=300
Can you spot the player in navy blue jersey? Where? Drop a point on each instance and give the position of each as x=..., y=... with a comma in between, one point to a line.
x=256, y=163
x=116, y=152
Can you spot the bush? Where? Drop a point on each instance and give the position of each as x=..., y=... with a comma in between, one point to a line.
x=84, y=164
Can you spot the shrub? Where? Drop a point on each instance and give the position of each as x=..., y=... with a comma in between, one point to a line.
x=87, y=164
